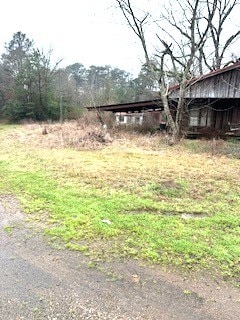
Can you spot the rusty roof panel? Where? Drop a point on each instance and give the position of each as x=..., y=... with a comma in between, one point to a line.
x=221, y=83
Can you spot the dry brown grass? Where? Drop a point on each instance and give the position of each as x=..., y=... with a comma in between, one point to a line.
x=87, y=133
x=128, y=158
x=67, y=135
x=81, y=134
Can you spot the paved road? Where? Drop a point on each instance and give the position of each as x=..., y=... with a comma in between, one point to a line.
x=40, y=282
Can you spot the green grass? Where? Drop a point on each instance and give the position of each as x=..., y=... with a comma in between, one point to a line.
x=168, y=206
x=8, y=229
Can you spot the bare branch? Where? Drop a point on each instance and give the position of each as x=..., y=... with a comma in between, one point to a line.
x=135, y=24
x=228, y=42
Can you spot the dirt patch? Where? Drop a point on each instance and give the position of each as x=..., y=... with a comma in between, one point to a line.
x=10, y=213
x=187, y=215
x=39, y=281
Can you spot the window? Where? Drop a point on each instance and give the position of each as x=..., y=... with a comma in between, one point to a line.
x=194, y=118
x=200, y=117
x=130, y=118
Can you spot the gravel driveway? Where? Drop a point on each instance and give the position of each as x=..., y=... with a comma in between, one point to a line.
x=38, y=281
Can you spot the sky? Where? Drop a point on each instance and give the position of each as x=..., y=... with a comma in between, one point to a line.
x=91, y=32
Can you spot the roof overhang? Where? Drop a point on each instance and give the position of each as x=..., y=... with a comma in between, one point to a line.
x=150, y=105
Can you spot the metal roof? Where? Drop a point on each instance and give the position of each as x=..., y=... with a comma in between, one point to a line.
x=155, y=104
x=210, y=89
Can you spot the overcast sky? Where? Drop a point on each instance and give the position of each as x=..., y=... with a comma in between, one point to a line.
x=85, y=31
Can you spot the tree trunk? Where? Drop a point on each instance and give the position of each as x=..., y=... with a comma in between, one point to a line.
x=168, y=114
x=181, y=116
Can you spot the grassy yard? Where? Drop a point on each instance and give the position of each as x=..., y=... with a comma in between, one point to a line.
x=138, y=197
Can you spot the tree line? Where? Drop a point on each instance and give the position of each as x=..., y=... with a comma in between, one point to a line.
x=33, y=87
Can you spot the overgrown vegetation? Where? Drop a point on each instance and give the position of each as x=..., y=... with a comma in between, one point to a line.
x=131, y=197
x=34, y=87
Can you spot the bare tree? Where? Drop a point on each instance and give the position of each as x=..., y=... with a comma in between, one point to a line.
x=219, y=39
x=183, y=33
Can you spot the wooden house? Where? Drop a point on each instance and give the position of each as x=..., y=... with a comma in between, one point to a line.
x=213, y=102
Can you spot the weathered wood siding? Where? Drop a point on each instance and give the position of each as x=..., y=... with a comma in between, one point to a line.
x=225, y=113
x=223, y=85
